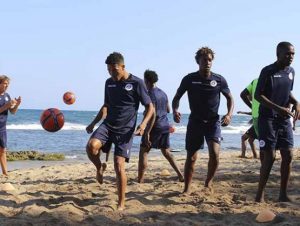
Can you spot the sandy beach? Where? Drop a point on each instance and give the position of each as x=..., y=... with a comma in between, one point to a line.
x=68, y=194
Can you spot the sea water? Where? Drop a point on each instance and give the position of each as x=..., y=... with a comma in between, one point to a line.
x=25, y=132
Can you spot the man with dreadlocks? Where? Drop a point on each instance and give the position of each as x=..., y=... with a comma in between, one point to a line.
x=203, y=88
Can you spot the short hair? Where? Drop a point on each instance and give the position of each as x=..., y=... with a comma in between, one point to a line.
x=282, y=45
x=204, y=51
x=114, y=58
x=4, y=78
x=151, y=76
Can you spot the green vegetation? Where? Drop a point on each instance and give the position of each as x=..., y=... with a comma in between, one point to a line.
x=33, y=155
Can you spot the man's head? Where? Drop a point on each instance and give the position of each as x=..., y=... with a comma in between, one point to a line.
x=115, y=64
x=204, y=58
x=285, y=53
x=4, y=82
x=150, y=78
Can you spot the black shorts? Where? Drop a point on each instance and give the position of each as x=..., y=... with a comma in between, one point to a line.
x=158, y=140
x=3, y=139
x=122, y=142
x=275, y=133
x=251, y=132
x=197, y=131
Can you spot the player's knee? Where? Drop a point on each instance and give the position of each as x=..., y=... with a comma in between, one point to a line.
x=93, y=146
x=119, y=163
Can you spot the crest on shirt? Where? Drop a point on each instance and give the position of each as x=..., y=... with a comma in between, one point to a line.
x=262, y=143
x=6, y=99
x=291, y=76
x=213, y=83
x=128, y=87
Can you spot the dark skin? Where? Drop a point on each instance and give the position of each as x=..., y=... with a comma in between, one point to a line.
x=205, y=63
x=285, y=57
x=118, y=73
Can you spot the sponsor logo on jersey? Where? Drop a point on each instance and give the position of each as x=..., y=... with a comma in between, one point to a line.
x=6, y=99
x=111, y=86
x=291, y=76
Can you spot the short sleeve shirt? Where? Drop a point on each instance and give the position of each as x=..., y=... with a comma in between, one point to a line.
x=160, y=101
x=255, y=104
x=203, y=94
x=122, y=99
x=276, y=85
x=3, y=115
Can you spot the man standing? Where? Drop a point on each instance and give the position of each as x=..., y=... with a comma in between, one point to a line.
x=157, y=134
x=275, y=129
x=123, y=93
x=203, y=88
x=248, y=97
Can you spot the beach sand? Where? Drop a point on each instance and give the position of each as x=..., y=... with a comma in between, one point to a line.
x=68, y=194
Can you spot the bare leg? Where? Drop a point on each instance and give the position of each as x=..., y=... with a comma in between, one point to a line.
x=244, y=139
x=253, y=148
x=170, y=158
x=213, y=162
x=189, y=169
x=119, y=163
x=3, y=161
x=143, y=163
x=268, y=160
x=92, y=149
x=285, y=170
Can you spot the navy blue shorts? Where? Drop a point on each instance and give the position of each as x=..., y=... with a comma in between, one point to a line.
x=251, y=132
x=197, y=131
x=275, y=133
x=158, y=140
x=122, y=142
x=3, y=139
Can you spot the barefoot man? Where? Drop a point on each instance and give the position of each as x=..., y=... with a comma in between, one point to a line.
x=123, y=93
x=273, y=91
x=203, y=88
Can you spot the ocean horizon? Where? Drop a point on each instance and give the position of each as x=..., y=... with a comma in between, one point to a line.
x=26, y=133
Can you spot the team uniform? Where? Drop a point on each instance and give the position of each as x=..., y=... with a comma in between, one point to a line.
x=122, y=99
x=204, y=101
x=275, y=131
x=3, y=119
x=159, y=135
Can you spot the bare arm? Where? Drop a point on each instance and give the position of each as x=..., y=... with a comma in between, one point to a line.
x=296, y=106
x=226, y=119
x=149, y=110
x=175, y=106
x=244, y=112
x=245, y=97
x=101, y=115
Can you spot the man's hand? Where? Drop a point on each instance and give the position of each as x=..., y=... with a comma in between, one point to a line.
x=176, y=116
x=226, y=119
x=140, y=130
x=296, y=110
x=284, y=112
x=89, y=129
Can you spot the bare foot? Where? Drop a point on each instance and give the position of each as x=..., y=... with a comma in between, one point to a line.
x=181, y=178
x=284, y=198
x=5, y=174
x=100, y=172
x=120, y=207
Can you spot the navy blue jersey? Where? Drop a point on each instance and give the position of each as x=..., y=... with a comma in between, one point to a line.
x=122, y=99
x=3, y=115
x=203, y=94
x=160, y=101
x=276, y=85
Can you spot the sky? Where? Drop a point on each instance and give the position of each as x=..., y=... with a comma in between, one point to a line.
x=48, y=47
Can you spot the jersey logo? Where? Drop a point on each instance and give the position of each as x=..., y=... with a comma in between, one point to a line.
x=110, y=86
x=277, y=76
x=6, y=98
x=197, y=82
x=291, y=76
x=128, y=87
x=213, y=83
x=262, y=143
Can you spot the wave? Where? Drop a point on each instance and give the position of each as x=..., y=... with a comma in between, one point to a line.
x=37, y=126
x=178, y=129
